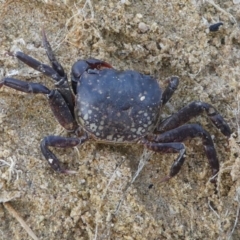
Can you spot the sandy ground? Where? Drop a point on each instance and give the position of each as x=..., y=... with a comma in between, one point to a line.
x=160, y=38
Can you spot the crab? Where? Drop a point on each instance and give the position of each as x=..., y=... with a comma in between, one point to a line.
x=111, y=106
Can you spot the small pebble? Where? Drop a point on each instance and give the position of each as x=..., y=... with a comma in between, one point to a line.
x=236, y=1
x=215, y=27
x=126, y=2
x=143, y=27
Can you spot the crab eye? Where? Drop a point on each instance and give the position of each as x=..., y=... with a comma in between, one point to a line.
x=78, y=69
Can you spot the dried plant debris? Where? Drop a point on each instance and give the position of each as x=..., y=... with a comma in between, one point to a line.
x=12, y=211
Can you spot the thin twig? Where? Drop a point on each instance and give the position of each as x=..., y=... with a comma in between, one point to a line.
x=145, y=157
x=233, y=20
x=105, y=193
x=8, y=206
x=237, y=216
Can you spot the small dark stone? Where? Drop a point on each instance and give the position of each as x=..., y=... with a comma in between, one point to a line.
x=150, y=186
x=215, y=27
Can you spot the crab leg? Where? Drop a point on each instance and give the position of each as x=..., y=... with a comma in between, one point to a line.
x=192, y=110
x=59, y=142
x=181, y=134
x=171, y=88
x=171, y=147
x=56, y=72
x=24, y=86
x=56, y=101
x=35, y=64
x=55, y=64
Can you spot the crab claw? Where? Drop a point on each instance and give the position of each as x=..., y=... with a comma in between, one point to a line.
x=98, y=64
x=82, y=66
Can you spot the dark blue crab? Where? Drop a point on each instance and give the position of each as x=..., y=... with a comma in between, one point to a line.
x=116, y=107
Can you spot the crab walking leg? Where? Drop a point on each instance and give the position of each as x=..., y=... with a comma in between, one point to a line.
x=55, y=64
x=191, y=131
x=171, y=147
x=23, y=86
x=56, y=101
x=171, y=88
x=56, y=73
x=35, y=64
x=62, y=82
x=192, y=110
x=59, y=142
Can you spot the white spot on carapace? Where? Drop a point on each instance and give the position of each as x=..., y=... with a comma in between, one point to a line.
x=102, y=122
x=85, y=117
x=139, y=130
x=120, y=139
x=93, y=126
x=110, y=137
x=145, y=114
x=89, y=111
x=142, y=98
x=133, y=129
